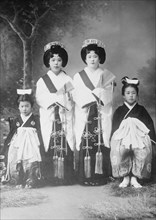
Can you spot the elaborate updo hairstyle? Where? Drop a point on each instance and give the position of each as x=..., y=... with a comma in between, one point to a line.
x=134, y=82
x=95, y=45
x=55, y=48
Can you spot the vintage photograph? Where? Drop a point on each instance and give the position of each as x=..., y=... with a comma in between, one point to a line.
x=78, y=110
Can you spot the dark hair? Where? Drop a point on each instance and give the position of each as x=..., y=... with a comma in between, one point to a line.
x=55, y=49
x=25, y=98
x=98, y=50
x=126, y=85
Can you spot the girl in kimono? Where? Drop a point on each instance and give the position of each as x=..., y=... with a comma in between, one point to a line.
x=93, y=111
x=53, y=95
x=133, y=132
x=23, y=146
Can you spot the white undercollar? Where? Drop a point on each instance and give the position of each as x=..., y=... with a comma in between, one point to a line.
x=25, y=118
x=130, y=106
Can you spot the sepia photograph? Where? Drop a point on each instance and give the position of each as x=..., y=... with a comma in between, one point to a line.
x=77, y=110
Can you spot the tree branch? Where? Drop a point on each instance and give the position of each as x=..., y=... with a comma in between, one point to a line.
x=17, y=30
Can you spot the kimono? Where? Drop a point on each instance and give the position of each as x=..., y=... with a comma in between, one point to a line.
x=131, y=147
x=93, y=113
x=22, y=149
x=53, y=95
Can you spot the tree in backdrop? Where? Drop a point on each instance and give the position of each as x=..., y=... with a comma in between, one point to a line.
x=26, y=19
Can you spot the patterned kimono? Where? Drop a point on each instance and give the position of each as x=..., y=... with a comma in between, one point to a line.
x=22, y=148
x=53, y=95
x=131, y=149
x=93, y=112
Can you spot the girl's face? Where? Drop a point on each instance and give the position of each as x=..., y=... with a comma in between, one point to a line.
x=55, y=63
x=92, y=60
x=25, y=108
x=130, y=95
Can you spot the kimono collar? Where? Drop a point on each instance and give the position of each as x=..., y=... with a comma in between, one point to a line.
x=52, y=75
x=130, y=106
x=94, y=76
x=95, y=73
x=25, y=118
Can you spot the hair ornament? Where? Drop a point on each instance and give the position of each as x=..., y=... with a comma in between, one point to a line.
x=126, y=80
x=54, y=43
x=24, y=91
x=93, y=41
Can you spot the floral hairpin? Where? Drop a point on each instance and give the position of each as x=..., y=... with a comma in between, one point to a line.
x=93, y=41
x=54, y=43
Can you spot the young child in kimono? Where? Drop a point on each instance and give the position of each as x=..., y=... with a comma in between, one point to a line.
x=53, y=95
x=22, y=145
x=133, y=131
x=93, y=110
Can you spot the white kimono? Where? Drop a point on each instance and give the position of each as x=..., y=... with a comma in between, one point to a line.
x=45, y=99
x=102, y=80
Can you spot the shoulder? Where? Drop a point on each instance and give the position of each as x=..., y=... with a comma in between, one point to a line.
x=67, y=76
x=119, y=112
x=35, y=117
x=141, y=107
x=41, y=79
x=119, y=108
x=14, y=122
x=77, y=75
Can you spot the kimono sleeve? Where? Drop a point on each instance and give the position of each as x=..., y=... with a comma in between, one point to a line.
x=116, y=120
x=146, y=118
x=43, y=97
x=13, y=129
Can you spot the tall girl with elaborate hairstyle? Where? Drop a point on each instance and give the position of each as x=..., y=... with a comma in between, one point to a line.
x=53, y=95
x=133, y=134
x=93, y=110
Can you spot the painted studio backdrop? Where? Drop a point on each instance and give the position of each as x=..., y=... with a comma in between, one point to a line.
x=127, y=28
